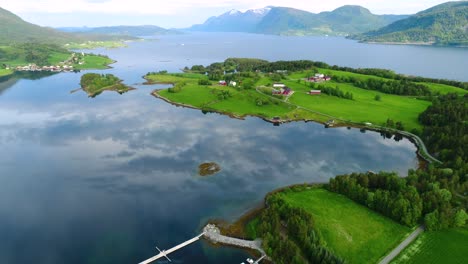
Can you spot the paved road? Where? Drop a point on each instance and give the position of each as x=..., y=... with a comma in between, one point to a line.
x=402, y=246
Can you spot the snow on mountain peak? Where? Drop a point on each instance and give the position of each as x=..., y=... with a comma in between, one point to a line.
x=234, y=12
x=261, y=11
x=258, y=12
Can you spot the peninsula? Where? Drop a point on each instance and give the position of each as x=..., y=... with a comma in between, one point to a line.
x=313, y=223
x=305, y=90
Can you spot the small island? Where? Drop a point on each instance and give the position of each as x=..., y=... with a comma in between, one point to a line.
x=208, y=169
x=94, y=84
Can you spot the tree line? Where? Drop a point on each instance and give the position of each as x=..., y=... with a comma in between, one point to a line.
x=435, y=196
x=398, y=87
x=336, y=91
x=252, y=65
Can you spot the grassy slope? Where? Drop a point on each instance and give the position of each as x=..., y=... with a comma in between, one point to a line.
x=352, y=231
x=4, y=72
x=435, y=87
x=445, y=89
x=94, y=62
x=449, y=246
x=363, y=108
x=241, y=103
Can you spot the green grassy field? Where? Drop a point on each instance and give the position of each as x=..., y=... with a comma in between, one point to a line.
x=350, y=230
x=362, y=109
x=445, y=89
x=4, y=72
x=449, y=246
x=240, y=103
x=94, y=62
x=96, y=44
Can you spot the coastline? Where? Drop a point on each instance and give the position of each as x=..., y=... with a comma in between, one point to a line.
x=430, y=44
x=236, y=230
x=421, y=152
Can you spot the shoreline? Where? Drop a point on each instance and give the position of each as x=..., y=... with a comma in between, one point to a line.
x=236, y=229
x=429, y=44
x=421, y=151
x=108, y=88
x=213, y=234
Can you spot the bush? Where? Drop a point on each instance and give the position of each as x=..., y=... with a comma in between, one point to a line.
x=204, y=82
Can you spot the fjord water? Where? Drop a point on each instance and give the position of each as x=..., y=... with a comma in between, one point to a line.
x=105, y=180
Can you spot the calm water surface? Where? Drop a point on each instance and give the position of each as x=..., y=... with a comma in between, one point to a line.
x=105, y=180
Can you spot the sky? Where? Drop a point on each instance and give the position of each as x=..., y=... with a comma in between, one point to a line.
x=177, y=13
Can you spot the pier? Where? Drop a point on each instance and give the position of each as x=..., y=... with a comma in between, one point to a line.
x=164, y=253
x=213, y=234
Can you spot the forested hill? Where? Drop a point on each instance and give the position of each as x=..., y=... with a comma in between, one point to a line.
x=445, y=24
x=13, y=29
x=344, y=20
x=289, y=21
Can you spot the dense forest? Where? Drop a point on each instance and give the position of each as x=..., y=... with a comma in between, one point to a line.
x=289, y=236
x=436, y=196
x=446, y=129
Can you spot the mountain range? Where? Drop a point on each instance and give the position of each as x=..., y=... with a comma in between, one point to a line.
x=134, y=31
x=445, y=24
x=289, y=21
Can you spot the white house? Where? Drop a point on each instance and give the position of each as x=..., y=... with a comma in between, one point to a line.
x=278, y=85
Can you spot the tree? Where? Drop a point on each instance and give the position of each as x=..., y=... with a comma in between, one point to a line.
x=431, y=220
x=460, y=218
x=377, y=97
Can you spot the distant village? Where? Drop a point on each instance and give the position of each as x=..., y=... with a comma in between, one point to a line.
x=65, y=66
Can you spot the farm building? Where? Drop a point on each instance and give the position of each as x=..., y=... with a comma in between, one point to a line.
x=283, y=91
x=314, y=92
x=279, y=85
x=319, y=77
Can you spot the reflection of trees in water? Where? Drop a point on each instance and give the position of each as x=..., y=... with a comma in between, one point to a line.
x=33, y=75
x=388, y=135
x=8, y=81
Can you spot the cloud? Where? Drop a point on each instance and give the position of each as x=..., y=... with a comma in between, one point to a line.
x=178, y=7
